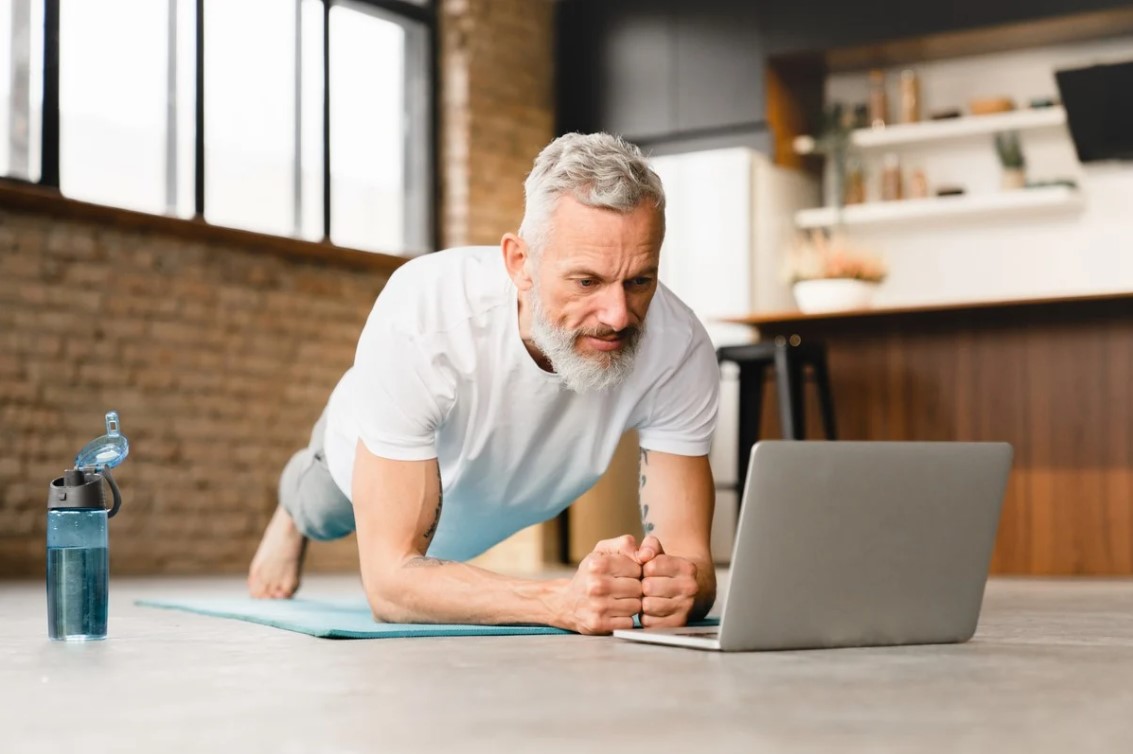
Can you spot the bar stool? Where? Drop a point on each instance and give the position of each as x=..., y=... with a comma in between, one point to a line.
x=789, y=357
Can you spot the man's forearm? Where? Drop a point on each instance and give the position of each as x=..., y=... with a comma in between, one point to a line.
x=427, y=590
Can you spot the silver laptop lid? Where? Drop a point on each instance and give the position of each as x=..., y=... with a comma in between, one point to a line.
x=863, y=543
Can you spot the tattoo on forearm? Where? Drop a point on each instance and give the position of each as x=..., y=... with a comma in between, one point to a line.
x=646, y=524
x=437, y=516
x=423, y=561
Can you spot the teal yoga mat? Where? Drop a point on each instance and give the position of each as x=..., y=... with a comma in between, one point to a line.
x=331, y=619
x=334, y=619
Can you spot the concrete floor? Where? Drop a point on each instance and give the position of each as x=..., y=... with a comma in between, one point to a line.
x=1050, y=670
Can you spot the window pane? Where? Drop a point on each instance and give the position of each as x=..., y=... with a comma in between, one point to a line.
x=185, y=120
x=311, y=109
x=117, y=103
x=250, y=119
x=21, y=87
x=378, y=184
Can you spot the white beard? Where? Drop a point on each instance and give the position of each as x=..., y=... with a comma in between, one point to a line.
x=582, y=374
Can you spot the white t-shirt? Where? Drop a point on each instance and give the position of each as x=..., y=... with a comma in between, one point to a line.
x=441, y=372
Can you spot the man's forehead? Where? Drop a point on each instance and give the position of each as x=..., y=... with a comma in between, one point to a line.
x=638, y=258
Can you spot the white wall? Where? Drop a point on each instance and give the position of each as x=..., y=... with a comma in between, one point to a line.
x=1015, y=256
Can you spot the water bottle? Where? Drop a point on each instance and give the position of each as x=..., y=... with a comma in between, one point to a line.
x=78, y=555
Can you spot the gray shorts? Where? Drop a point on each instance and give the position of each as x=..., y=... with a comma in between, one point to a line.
x=310, y=495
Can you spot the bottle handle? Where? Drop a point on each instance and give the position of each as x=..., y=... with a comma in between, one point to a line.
x=114, y=489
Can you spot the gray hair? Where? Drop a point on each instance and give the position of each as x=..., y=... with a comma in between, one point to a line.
x=599, y=170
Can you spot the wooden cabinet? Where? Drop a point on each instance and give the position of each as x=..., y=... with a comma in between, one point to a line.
x=1051, y=377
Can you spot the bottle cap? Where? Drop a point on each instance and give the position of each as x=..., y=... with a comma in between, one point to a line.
x=76, y=489
x=107, y=451
x=81, y=487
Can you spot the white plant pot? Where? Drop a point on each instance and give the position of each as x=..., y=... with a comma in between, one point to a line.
x=1013, y=178
x=833, y=295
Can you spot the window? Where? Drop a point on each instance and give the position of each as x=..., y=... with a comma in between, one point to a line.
x=238, y=128
x=21, y=88
x=379, y=186
x=126, y=92
x=250, y=102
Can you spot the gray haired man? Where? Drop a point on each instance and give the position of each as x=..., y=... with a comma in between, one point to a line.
x=490, y=388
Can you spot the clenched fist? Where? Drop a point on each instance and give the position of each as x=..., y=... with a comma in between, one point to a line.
x=668, y=586
x=606, y=591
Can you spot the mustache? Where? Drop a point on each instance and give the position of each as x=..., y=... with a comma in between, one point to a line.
x=605, y=332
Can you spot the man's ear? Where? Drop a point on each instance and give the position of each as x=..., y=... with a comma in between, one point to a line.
x=516, y=257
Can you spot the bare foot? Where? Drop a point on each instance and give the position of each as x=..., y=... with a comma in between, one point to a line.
x=275, y=569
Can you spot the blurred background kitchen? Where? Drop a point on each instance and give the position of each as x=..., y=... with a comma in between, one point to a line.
x=200, y=200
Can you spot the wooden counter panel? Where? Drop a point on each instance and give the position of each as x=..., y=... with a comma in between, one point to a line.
x=1058, y=388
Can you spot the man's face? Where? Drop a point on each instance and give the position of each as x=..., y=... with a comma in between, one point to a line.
x=592, y=288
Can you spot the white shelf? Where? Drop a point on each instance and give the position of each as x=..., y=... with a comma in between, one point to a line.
x=877, y=213
x=956, y=128
x=949, y=128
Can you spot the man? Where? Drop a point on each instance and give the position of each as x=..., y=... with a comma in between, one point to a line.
x=490, y=389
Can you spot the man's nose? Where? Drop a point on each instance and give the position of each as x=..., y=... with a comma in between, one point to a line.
x=614, y=313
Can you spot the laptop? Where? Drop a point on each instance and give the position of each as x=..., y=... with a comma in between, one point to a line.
x=857, y=544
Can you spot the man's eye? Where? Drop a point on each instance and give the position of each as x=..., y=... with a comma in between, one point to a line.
x=586, y=283
x=641, y=282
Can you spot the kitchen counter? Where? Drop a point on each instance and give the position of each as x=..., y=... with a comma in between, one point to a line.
x=1054, y=377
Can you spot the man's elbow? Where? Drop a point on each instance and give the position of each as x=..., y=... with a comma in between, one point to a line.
x=389, y=595
x=384, y=610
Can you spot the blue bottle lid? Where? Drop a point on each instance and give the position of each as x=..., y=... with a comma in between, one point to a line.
x=107, y=451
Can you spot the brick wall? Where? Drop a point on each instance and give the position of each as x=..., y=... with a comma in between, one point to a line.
x=219, y=357
x=497, y=111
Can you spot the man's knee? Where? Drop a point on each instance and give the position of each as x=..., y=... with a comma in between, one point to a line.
x=312, y=498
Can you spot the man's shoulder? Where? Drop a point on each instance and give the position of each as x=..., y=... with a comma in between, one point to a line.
x=675, y=342
x=672, y=321
x=437, y=291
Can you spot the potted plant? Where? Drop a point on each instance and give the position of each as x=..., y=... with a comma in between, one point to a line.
x=1011, y=158
x=826, y=274
x=833, y=143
